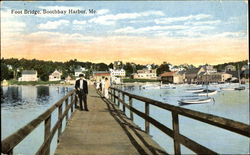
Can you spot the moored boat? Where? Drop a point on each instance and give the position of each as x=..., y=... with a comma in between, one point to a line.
x=207, y=92
x=196, y=100
x=195, y=90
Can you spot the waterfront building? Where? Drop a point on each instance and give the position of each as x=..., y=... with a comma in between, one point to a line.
x=172, y=77
x=145, y=73
x=98, y=75
x=214, y=77
x=191, y=74
x=55, y=76
x=28, y=75
x=80, y=70
x=230, y=68
x=117, y=72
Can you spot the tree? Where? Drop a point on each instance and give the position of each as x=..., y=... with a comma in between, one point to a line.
x=163, y=68
x=111, y=65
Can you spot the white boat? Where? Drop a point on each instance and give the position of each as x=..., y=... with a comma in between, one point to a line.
x=207, y=92
x=151, y=87
x=195, y=90
x=226, y=88
x=196, y=101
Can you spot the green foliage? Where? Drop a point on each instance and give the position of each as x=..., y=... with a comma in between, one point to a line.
x=163, y=68
x=221, y=67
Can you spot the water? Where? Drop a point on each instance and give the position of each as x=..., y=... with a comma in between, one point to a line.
x=229, y=104
x=22, y=104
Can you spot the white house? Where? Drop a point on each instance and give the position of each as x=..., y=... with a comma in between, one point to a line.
x=145, y=74
x=117, y=72
x=28, y=75
x=55, y=76
x=80, y=70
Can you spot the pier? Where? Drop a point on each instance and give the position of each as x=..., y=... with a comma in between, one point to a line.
x=105, y=129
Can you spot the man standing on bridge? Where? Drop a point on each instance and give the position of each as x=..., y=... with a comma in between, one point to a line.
x=81, y=87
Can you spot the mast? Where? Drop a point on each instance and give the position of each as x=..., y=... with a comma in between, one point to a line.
x=239, y=75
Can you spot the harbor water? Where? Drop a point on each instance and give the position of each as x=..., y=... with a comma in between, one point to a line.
x=21, y=104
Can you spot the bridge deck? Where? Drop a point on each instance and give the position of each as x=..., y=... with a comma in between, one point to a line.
x=104, y=130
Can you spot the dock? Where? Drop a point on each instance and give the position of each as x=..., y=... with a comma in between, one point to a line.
x=104, y=129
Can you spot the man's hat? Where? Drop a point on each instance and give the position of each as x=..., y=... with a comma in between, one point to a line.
x=81, y=75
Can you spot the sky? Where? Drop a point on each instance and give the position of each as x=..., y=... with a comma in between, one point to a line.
x=144, y=32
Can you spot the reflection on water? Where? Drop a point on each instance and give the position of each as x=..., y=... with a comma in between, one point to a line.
x=22, y=104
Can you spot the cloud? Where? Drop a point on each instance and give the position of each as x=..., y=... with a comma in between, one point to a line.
x=53, y=24
x=181, y=19
x=111, y=19
x=128, y=30
x=102, y=11
x=210, y=22
x=78, y=22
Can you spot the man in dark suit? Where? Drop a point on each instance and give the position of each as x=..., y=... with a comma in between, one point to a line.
x=81, y=87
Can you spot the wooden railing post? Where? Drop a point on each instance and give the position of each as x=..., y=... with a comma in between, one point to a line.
x=175, y=122
x=123, y=105
x=47, y=124
x=147, y=113
x=114, y=95
x=76, y=100
x=66, y=105
x=10, y=152
x=131, y=104
x=118, y=99
x=60, y=126
x=71, y=101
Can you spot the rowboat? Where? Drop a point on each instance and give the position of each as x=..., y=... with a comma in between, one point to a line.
x=195, y=90
x=207, y=92
x=196, y=101
x=240, y=88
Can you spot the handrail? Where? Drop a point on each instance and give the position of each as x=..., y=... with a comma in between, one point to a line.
x=228, y=124
x=9, y=143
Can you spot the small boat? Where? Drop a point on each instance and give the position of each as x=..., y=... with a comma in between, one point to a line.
x=227, y=88
x=240, y=88
x=151, y=87
x=196, y=100
x=207, y=92
x=195, y=90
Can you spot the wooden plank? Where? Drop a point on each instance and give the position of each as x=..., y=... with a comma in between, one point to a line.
x=131, y=105
x=66, y=105
x=147, y=113
x=123, y=103
x=47, y=124
x=71, y=101
x=175, y=122
x=60, y=126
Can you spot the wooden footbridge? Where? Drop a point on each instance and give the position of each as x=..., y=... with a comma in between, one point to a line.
x=106, y=130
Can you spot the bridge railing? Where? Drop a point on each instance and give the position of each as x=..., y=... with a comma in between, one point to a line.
x=230, y=125
x=9, y=143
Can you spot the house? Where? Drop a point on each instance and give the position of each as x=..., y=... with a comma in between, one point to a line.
x=97, y=76
x=172, y=77
x=117, y=72
x=191, y=75
x=145, y=74
x=79, y=70
x=28, y=75
x=230, y=68
x=55, y=76
x=218, y=77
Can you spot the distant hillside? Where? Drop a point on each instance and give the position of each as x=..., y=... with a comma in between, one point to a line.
x=221, y=67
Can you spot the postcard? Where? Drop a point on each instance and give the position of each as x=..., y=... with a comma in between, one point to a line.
x=125, y=77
